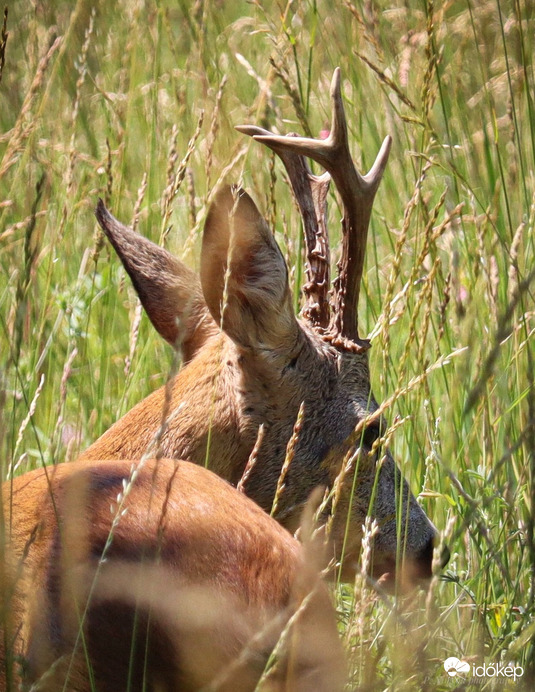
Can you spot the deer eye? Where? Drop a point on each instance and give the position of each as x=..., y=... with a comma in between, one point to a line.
x=291, y=365
x=371, y=433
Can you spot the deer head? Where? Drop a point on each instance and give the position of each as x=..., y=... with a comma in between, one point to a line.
x=251, y=362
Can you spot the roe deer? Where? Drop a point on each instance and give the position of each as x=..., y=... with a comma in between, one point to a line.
x=183, y=584
x=250, y=362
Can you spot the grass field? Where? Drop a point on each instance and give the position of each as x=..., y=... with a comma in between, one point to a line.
x=136, y=102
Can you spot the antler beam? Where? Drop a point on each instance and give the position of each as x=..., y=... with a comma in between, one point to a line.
x=357, y=193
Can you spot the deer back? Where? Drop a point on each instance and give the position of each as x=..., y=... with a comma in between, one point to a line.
x=159, y=575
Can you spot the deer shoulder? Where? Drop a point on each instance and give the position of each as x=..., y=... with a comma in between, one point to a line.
x=157, y=575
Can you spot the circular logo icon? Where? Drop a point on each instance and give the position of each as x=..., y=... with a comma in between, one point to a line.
x=453, y=666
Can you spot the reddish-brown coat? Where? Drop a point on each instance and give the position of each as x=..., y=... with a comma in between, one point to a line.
x=206, y=566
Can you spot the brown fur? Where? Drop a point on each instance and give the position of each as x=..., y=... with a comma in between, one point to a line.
x=259, y=369
x=203, y=576
x=172, y=287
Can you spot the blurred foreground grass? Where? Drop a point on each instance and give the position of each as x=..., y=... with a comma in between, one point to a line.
x=136, y=102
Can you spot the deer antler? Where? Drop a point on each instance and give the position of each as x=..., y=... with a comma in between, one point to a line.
x=357, y=193
x=311, y=195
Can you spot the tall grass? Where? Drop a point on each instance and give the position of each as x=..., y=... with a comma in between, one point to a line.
x=104, y=99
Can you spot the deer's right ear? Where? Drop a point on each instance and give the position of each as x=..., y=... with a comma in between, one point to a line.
x=244, y=276
x=170, y=292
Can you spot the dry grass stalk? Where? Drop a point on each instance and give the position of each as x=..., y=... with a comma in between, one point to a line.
x=432, y=457
x=293, y=92
x=283, y=643
x=139, y=201
x=384, y=321
x=514, y=253
x=251, y=652
x=446, y=223
x=11, y=230
x=290, y=452
x=134, y=335
x=30, y=254
x=427, y=301
x=109, y=173
x=504, y=328
x=192, y=206
x=67, y=372
x=238, y=155
x=98, y=236
x=31, y=411
x=337, y=487
x=493, y=282
x=81, y=68
x=77, y=535
x=403, y=234
x=443, y=309
x=233, y=236
x=363, y=595
x=428, y=92
x=24, y=124
x=138, y=311
x=272, y=197
x=172, y=189
x=212, y=133
x=388, y=82
x=311, y=532
x=252, y=460
x=368, y=29
x=425, y=296
x=135, y=221
x=431, y=596
x=172, y=158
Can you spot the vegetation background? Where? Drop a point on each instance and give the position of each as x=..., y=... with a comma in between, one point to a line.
x=135, y=101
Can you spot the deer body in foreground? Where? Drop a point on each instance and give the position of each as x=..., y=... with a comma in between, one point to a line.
x=157, y=576
x=250, y=362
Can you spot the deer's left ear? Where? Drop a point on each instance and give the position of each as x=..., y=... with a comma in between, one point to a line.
x=244, y=276
x=170, y=292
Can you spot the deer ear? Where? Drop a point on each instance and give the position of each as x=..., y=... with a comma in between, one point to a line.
x=244, y=276
x=170, y=292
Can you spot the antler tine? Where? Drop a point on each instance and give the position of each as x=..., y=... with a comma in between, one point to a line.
x=311, y=195
x=357, y=192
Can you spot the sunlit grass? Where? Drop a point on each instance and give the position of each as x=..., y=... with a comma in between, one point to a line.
x=104, y=103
